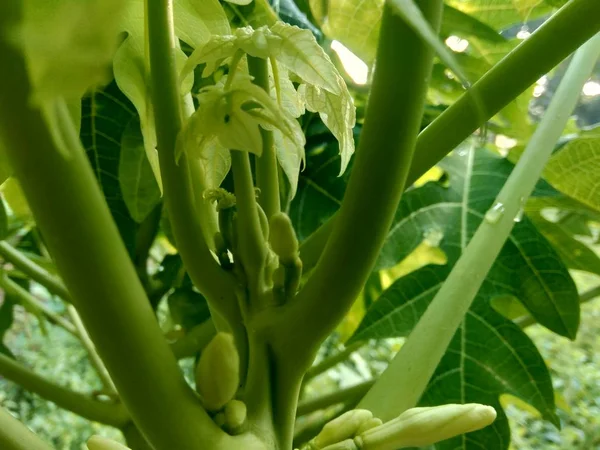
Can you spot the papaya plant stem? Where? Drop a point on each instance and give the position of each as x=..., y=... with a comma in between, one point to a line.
x=28, y=300
x=36, y=272
x=393, y=117
x=194, y=340
x=400, y=387
x=179, y=194
x=538, y=54
x=267, y=178
x=93, y=355
x=113, y=414
x=16, y=436
x=93, y=262
x=251, y=239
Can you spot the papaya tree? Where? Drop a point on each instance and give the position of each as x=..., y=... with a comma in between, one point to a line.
x=216, y=158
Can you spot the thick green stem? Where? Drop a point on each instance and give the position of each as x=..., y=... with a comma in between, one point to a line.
x=251, y=240
x=400, y=387
x=180, y=196
x=549, y=45
x=27, y=299
x=31, y=269
x=83, y=239
x=267, y=177
x=393, y=117
x=16, y=436
x=108, y=413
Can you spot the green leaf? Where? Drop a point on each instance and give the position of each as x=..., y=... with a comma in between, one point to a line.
x=355, y=23
x=290, y=152
x=188, y=308
x=458, y=22
x=195, y=23
x=69, y=45
x=105, y=116
x=488, y=356
x=300, y=53
x=528, y=267
x=502, y=13
x=320, y=190
x=337, y=112
x=5, y=169
x=138, y=185
x=575, y=167
x=575, y=254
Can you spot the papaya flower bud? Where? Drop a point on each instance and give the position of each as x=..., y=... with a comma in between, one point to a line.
x=101, y=443
x=419, y=427
x=341, y=428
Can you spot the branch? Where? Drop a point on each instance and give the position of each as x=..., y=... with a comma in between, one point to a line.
x=113, y=414
x=12, y=288
x=70, y=210
x=16, y=436
x=401, y=385
x=393, y=117
x=548, y=46
x=37, y=273
x=267, y=178
x=180, y=197
x=194, y=340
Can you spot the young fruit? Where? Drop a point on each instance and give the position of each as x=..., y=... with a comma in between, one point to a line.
x=218, y=372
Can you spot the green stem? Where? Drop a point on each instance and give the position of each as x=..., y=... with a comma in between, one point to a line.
x=267, y=177
x=87, y=343
x=340, y=396
x=35, y=272
x=587, y=296
x=252, y=244
x=16, y=436
x=72, y=214
x=108, y=413
x=27, y=299
x=332, y=361
x=179, y=195
x=393, y=117
x=400, y=387
x=545, y=48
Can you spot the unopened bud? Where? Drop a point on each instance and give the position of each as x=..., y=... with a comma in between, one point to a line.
x=235, y=416
x=282, y=237
x=342, y=428
x=419, y=427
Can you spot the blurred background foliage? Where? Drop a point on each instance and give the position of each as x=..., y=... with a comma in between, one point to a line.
x=480, y=32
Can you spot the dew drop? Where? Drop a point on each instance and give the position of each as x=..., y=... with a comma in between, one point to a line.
x=521, y=212
x=433, y=236
x=495, y=213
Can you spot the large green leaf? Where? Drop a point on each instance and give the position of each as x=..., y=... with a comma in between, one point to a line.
x=575, y=254
x=138, y=185
x=105, y=116
x=489, y=354
x=575, y=169
x=502, y=13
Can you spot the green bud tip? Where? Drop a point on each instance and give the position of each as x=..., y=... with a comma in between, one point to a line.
x=101, y=443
